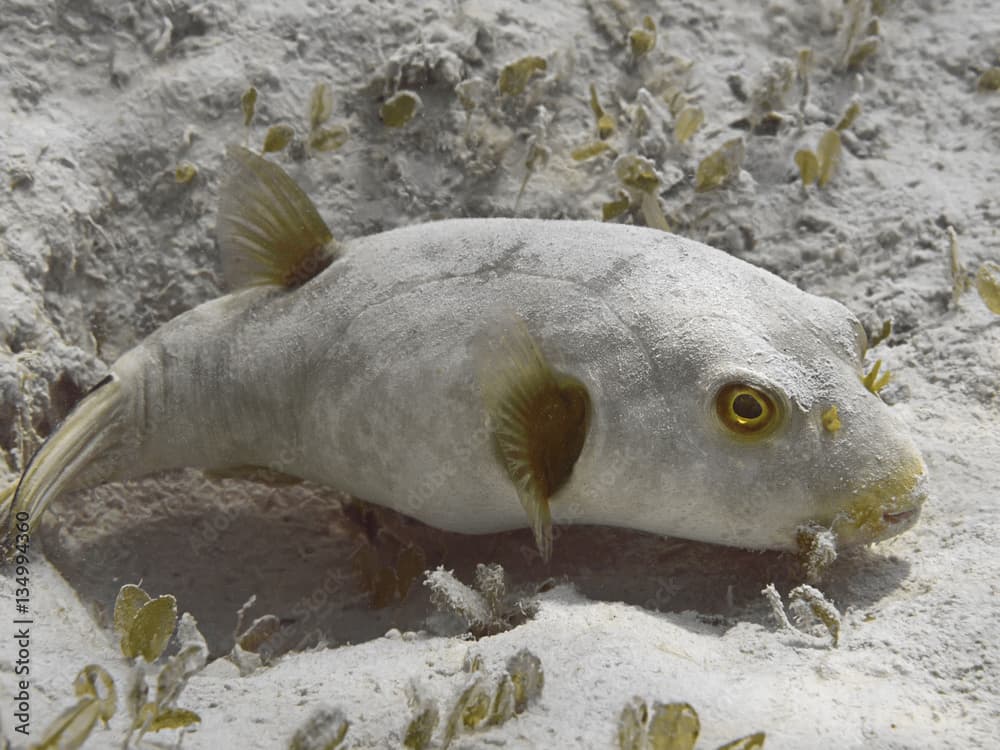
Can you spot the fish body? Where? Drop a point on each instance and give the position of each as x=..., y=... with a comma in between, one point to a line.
x=369, y=377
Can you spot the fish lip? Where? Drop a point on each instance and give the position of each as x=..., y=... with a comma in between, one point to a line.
x=894, y=518
x=886, y=509
x=903, y=516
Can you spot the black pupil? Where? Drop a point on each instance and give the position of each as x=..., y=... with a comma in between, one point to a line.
x=746, y=406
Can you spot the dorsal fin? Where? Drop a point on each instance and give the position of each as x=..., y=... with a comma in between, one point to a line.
x=268, y=230
x=540, y=419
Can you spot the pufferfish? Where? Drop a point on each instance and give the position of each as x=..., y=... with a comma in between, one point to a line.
x=486, y=374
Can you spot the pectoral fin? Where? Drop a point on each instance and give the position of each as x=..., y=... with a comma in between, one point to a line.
x=269, y=231
x=540, y=419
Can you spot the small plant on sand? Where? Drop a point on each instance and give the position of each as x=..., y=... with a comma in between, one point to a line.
x=319, y=138
x=144, y=626
x=818, y=167
x=482, y=701
x=860, y=34
x=248, y=639
x=986, y=279
x=809, y=608
x=668, y=726
x=488, y=606
x=97, y=699
x=325, y=729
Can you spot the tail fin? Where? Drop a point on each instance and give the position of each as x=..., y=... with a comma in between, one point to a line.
x=83, y=451
x=6, y=498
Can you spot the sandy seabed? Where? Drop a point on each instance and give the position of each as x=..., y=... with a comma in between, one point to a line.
x=100, y=244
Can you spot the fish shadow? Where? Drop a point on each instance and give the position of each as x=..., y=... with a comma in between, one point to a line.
x=298, y=549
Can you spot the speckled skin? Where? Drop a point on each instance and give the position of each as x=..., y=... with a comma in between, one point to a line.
x=364, y=379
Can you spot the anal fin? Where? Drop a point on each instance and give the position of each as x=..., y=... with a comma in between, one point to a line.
x=540, y=419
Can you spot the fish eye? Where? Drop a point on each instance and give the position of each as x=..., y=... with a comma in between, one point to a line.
x=746, y=410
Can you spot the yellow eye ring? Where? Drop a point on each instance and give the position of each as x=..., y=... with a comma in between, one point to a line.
x=746, y=410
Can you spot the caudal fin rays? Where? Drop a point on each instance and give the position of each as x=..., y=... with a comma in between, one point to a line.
x=268, y=229
x=6, y=498
x=74, y=455
x=540, y=420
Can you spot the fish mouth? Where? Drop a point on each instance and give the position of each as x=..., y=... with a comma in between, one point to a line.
x=900, y=516
x=884, y=509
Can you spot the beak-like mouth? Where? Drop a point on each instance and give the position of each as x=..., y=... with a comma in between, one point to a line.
x=899, y=517
x=885, y=509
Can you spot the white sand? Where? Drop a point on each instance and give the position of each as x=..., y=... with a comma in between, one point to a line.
x=99, y=245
